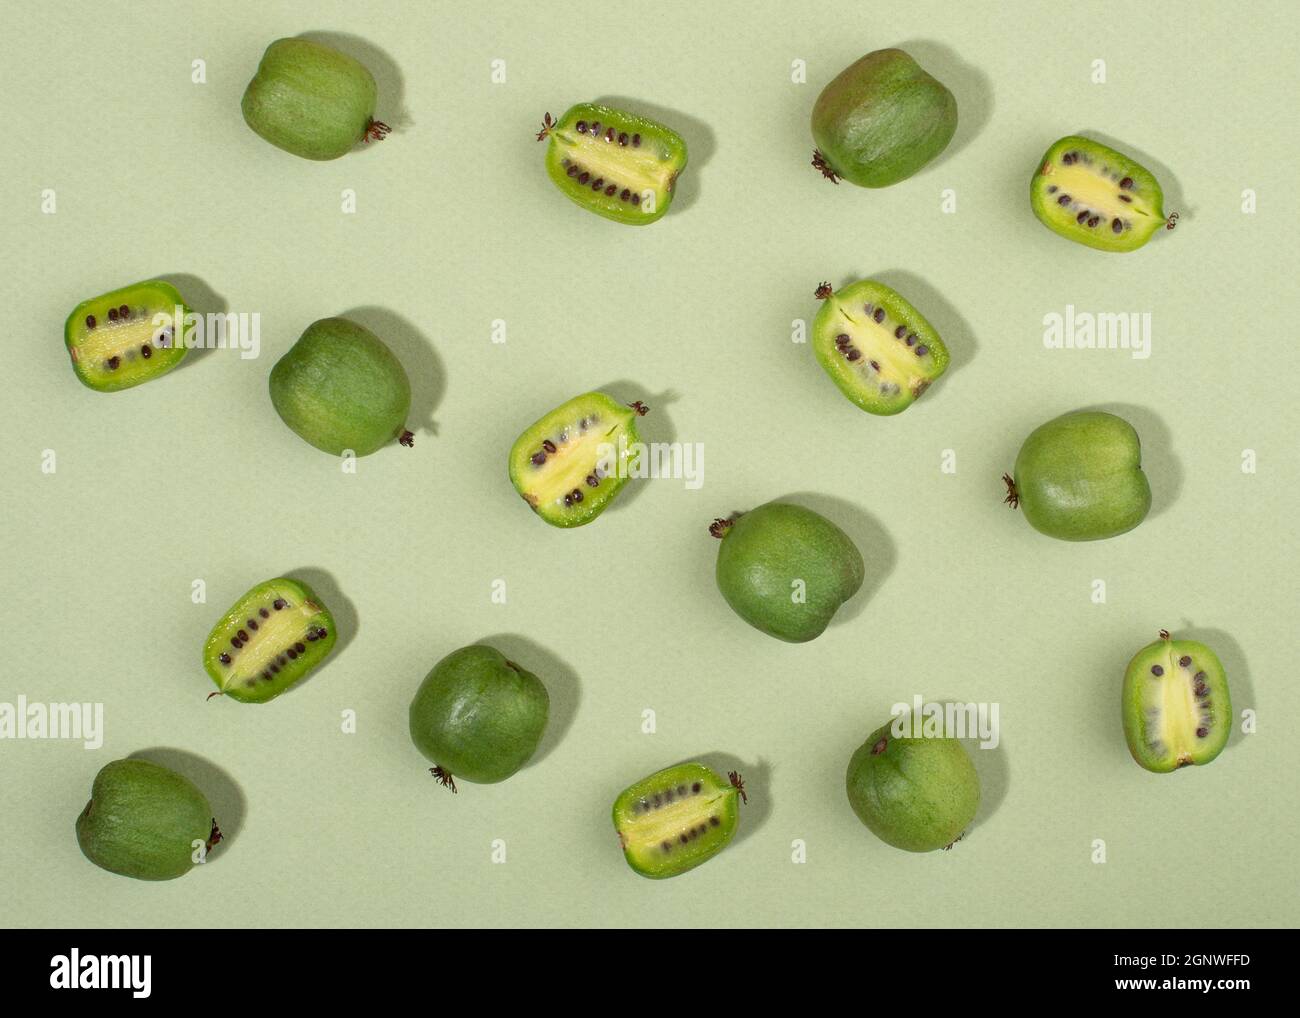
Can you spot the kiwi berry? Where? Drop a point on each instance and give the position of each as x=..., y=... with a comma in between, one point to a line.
x=478, y=716
x=616, y=164
x=786, y=570
x=274, y=636
x=569, y=465
x=145, y=821
x=1079, y=477
x=677, y=818
x=1175, y=704
x=1089, y=193
x=917, y=794
x=309, y=99
x=341, y=389
x=126, y=336
x=880, y=120
x=876, y=347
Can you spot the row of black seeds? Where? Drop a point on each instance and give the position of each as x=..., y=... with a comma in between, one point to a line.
x=1199, y=687
x=594, y=128
x=688, y=836
x=583, y=176
x=1087, y=217
x=114, y=314
x=646, y=803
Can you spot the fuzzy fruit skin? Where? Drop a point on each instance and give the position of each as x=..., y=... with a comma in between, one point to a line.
x=883, y=118
x=766, y=549
x=1145, y=192
x=1135, y=701
x=142, y=821
x=154, y=293
x=915, y=794
x=339, y=388
x=722, y=800
x=309, y=99
x=1079, y=477
x=479, y=716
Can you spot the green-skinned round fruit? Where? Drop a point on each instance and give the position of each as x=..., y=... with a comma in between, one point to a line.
x=616, y=164
x=1175, y=705
x=785, y=569
x=570, y=465
x=880, y=120
x=876, y=347
x=917, y=794
x=1089, y=193
x=273, y=636
x=145, y=821
x=478, y=716
x=127, y=336
x=677, y=818
x=1079, y=477
x=341, y=389
x=311, y=100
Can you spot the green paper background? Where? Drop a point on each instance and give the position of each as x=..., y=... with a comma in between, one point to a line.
x=193, y=477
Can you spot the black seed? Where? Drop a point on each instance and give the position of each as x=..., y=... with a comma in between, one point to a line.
x=224, y=659
x=624, y=194
x=548, y=445
x=681, y=790
x=636, y=199
x=598, y=183
x=234, y=642
x=842, y=339
x=713, y=821
x=311, y=637
x=683, y=839
x=595, y=127
x=1201, y=733
x=1199, y=676
x=264, y=613
x=879, y=316
x=538, y=458
x=1094, y=220
x=658, y=801
x=577, y=495
x=900, y=332
x=922, y=350
x=572, y=171
x=300, y=648
x=568, y=500
x=1081, y=217
x=113, y=362
x=146, y=351
x=592, y=481
x=875, y=365
x=1126, y=198
x=124, y=312
x=112, y=314
x=1063, y=200
x=292, y=653
x=854, y=354
x=667, y=847
x=609, y=191
x=1116, y=226
x=636, y=140
x=322, y=633
x=90, y=321
x=252, y=625
x=609, y=135
x=582, y=127
x=1184, y=660
x=243, y=636
x=911, y=338
x=1127, y=183
x=1051, y=189
x=1157, y=671
x=622, y=138
x=275, y=668
x=669, y=795
x=267, y=675
x=278, y=603
x=250, y=683
x=696, y=788
x=583, y=177
x=1068, y=159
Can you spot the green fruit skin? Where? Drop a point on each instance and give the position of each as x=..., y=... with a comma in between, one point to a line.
x=142, y=821
x=309, y=99
x=769, y=547
x=1133, y=708
x=916, y=794
x=339, y=388
x=882, y=119
x=479, y=716
x=1079, y=477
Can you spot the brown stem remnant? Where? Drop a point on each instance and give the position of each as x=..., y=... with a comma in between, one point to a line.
x=407, y=438
x=640, y=408
x=214, y=837
x=547, y=125
x=376, y=130
x=881, y=744
x=719, y=528
x=1164, y=635
x=444, y=778
x=1013, y=496
x=823, y=291
x=738, y=783
x=819, y=161
x=1172, y=221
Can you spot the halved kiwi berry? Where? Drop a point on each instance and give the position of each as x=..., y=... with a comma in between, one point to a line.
x=677, y=818
x=876, y=347
x=127, y=336
x=569, y=465
x=1089, y=193
x=614, y=163
x=274, y=636
x=1175, y=704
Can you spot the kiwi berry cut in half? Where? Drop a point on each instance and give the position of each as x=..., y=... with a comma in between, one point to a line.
x=677, y=818
x=616, y=164
x=570, y=465
x=274, y=636
x=126, y=337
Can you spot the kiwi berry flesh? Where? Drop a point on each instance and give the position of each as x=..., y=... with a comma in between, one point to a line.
x=275, y=635
x=309, y=99
x=570, y=465
x=342, y=390
x=616, y=164
x=880, y=120
x=1087, y=192
x=677, y=818
x=1176, y=707
x=876, y=347
x=785, y=569
x=478, y=716
x=126, y=336
x=145, y=821
x=917, y=794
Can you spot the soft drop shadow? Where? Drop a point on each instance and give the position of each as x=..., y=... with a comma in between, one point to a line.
x=994, y=770
x=699, y=140
x=1164, y=471
x=343, y=610
x=202, y=300
x=656, y=426
x=1240, y=688
x=879, y=554
x=223, y=794
x=953, y=329
x=758, y=781
x=423, y=365
x=561, y=682
x=1169, y=185
x=972, y=88
x=390, y=95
